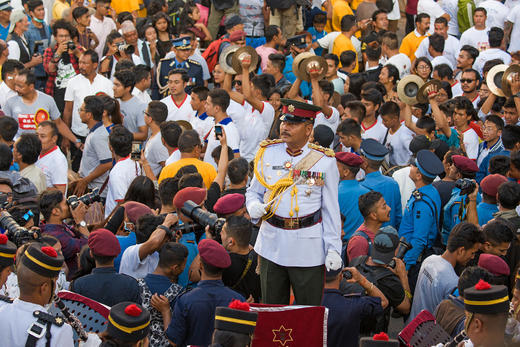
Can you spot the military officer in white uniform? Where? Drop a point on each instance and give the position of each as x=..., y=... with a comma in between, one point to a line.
x=295, y=193
x=26, y=322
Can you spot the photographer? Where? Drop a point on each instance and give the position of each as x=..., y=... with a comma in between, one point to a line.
x=241, y=274
x=115, y=51
x=55, y=210
x=6, y=192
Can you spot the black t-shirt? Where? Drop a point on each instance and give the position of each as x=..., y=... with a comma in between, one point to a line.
x=212, y=196
x=250, y=284
x=235, y=191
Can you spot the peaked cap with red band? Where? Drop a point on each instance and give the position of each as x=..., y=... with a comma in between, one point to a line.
x=297, y=111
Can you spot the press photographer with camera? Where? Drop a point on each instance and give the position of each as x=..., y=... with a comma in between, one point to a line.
x=6, y=192
x=116, y=50
x=56, y=211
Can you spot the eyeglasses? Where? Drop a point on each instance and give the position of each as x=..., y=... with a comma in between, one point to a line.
x=464, y=80
x=238, y=83
x=423, y=67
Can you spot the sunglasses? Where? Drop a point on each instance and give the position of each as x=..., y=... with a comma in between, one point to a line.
x=238, y=83
x=464, y=80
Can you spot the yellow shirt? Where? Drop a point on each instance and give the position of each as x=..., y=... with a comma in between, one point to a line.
x=410, y=44
x=125, y=5
x=343, y=43
x=206, y=170
x=58, y=8
x=340, y=8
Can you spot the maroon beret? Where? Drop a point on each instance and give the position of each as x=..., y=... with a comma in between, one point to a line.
x=464, y=163
x=195, y=194
x=491, y=183
x=212, y=253
x=494, y=264
x=350, y=159
x=229, y=203
x=134, y=210
x=104, y=243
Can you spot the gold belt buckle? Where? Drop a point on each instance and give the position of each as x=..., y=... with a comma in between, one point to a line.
x=290, y=223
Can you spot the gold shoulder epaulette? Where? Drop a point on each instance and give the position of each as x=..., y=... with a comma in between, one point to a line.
x=267, y=143
x=327, y=151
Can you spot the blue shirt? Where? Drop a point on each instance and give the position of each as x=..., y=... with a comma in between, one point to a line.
x=485, y=212
x=349, y=192
x=390, y=190
x=193, y=319
x=34, y=34
x=158, y=284
x=124, y=243
x=315, y=37
x=305, y=86
x=190, y=242
x=4, y=31
x=345, y=315
x=420, y=222
x=483, y=168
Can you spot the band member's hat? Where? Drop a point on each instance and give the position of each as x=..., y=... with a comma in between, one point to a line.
x=44, y=261
x=128, y=322
x=485, y=298
x=236, y=318
x=7, y=251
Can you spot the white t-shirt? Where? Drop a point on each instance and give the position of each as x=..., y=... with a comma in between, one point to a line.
x=395, y=14
x=5, y=94
x=451, y=7
x=332, y=122
x=514, y=17
x=182, y=111
x=143, y=96
x=377, y=131
x=101, y=29
x=406, y=185
x=402, y=62
x=451, y=49
x=78, y=88
x=131, y=265
x=432, y=8
x=55, y=167
x=95, y=153
x=255, y=128
x=232, y=136
x=327, y=41
x=476, y=38
x=471, y=141
x=456, y=89
x=489, y=54
x=120, y=178
x=202, y=124
x=176, y=155
x=438, y=60
x=398, y=144
x=155, y=153
x=511, y=3
x=496, y=13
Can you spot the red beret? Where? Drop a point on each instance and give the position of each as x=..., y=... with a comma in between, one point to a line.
x=214, y=254
x=464, y=163
x=195, y=194
x=494, y=264
x=104, y=243
x=491, y=183
x=350, y=159
x=134, y=210
x=229, y=203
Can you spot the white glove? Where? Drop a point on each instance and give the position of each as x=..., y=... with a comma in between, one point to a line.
x=332, y=261
x=257, y=210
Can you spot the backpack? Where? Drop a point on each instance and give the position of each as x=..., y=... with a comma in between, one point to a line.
x=465, y=9
x=362, y=234
x=211, y=54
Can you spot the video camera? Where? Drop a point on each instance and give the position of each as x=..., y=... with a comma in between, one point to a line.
x=465, y=185
x=73, y=201
x=403, y=247
x=204, y=218
x=15, y=232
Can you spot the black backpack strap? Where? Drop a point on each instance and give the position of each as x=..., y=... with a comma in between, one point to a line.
x=250, y=259
x=42, y=327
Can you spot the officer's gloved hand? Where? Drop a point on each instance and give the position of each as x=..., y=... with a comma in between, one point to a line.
x=257, y=210
x=333, y=260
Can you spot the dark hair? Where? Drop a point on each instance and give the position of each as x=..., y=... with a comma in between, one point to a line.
x=333, y=57
x=11, y=66
x=444, y=71
x=8, y=128
x=125, y=65
x=515, y=159
x=471, y=276
x=323, y=135
x=464, y=235
x=239, y=228
x=421, y=16
x=270, y=32
x=390, y=39
x=349, y=127
x=319, y=18
x=184, y=74
x=277, y=60
x=220, y=97
x=124, y=16
x=215, y=154
x=499, y=164
x=141, y=72
x=170, y=132
x=441, y=20
x=86, y=263
x=126, y=77
x=30, y=79
x=33, y=4
x=94, y=57
x=63, y=24
x=94, y=105
x=423, y=60
x=77, y=12
x=111, y=105
x=377, y=13
x=263, y=82
x=495, y=233
x=141, y=190
x=393, y=72
x=191, y=180
x=201, y=91
x=367, y=201
x=510, y=136
x=509, y=195
x=499, y=122
x=437, y=42
x=238, y=170
x=29, y=146
x=372, y=95
x=472, y=51
x=347, y=58
x=146, y=224
x=211, y=270
x=120, y=139
x=481, y=9
x=495, y=36
x=446, y=86
x=463, y=103
x=6, y=157
x=358, y=108
x=473, y=71
x=347, y=22
x=390, y=108
x=188, y=140
x=158, y=111
x=172, y=253
x=49, y=200
x=167, y=190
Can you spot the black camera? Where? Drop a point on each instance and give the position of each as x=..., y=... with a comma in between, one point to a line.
x=4, y=203
x=403, y=247
x=71, y=45
x=204, y=218
x=465, y=185
x=87, y=199
x=15, y=232
x=347, y=274
x=125, y=47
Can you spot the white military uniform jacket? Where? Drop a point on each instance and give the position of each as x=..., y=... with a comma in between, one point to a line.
x=17, y=317
x=304, y=247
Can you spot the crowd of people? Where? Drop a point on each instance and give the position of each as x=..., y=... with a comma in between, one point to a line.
x=186, y=163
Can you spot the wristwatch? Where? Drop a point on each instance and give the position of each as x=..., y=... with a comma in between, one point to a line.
x=82, y=224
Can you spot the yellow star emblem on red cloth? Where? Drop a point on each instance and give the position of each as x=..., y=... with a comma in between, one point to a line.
x=282, y=335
